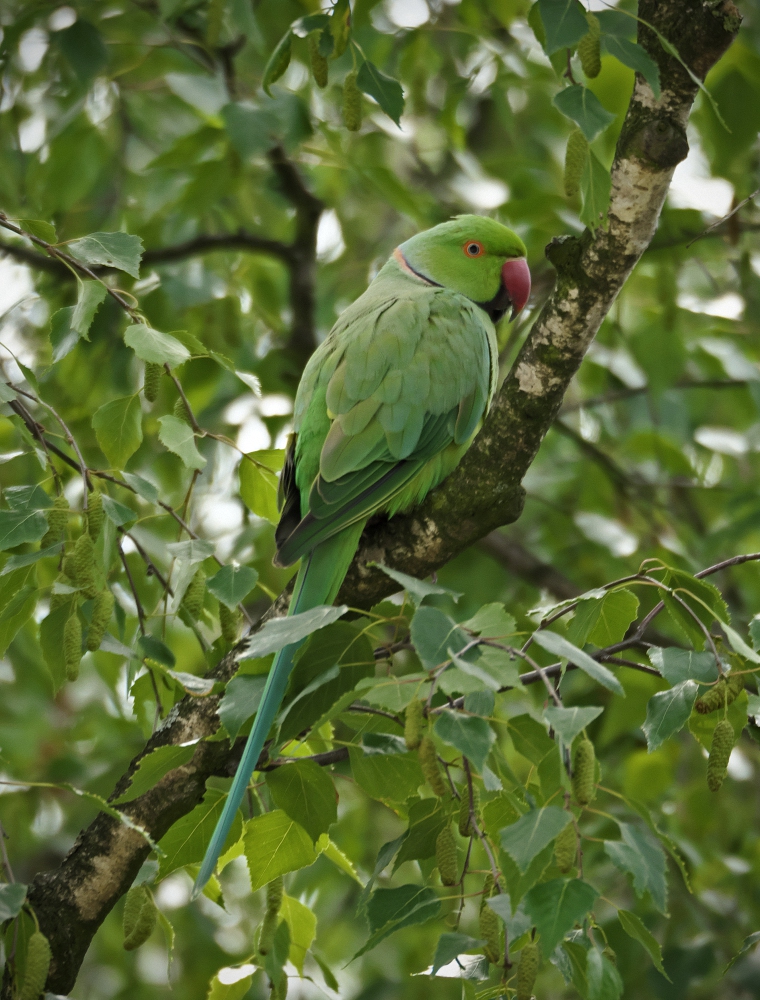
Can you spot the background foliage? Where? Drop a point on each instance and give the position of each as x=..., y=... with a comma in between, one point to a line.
x=149, y=119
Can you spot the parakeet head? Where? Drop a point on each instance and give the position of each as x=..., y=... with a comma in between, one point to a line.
x=475, y=256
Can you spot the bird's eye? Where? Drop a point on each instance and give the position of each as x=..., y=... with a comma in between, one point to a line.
x=473, y=248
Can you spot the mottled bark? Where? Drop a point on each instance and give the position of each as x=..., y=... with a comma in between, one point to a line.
x=482, y=494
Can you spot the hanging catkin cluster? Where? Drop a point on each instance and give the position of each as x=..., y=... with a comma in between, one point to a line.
x=57, y=519
x=139, y=919
x=720, y=751
x=192, y=602
x=102, y=610
x=589, y=51
x=229, y=621
x=84, y=565
x=414, y=719
x=72, y=644
x=152, y=381
x=446, y=856
x=465, y=824
x=318, y=61
x=566, y=849
x=489, y=929
x=38, y=957
x=430, y=767
x=352, y=102
x=271, y=916
x=720, y=695
x=95, y=514
x=527, y=970
x=575, y=160
x=584, y=765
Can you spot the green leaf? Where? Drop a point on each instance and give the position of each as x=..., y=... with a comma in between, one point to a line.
x=604, y=982
x=16, y=613
x=635, y=928
x=418, y=590
x=702, y=727
x=229, y=991
x=27, y=498
x=84, y=48
x=517, y=923
x=6, y=393
x=120, y=250
x=449, y=946
x=386, y=778
x=633, y=55
x=472, y=736
x=232, y=584
x=748, y=944
x=385, y=90
x=117, y=513
x=668, y=712
x=19, y=562
x=274, y=845
x=157, y=650
x=178, y=437
x=568, y=722
x=701, y=597
x=306, y=792
x=564, y=23
x=531, y=833
x=241, y=700
x=157, y=348
x=280, y=632
x=89, y=298
x=559, y=646
x=617, y=609
x=596, y=185
x=643, y=859
x=258, y=490
x=426, y=820
x=51, y=643
x=302, y=924
x=187, y=840
x=141, y=486
x=582, y=106
x=432, y=632
x=389, y=910
x=530, y=738
x=12, y=896
x=63, y=339
x=252, y=130
x=153, y=767
x=20, y=526
x=278, y=62
x=492, y=621
x=42, y=230
x=677, y=665
x=118, y=428
x=556, y=907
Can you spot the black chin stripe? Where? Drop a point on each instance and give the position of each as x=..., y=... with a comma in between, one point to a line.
x=498, y=306
x=422, y=277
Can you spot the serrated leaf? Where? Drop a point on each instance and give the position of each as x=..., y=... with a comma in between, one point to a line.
x=530, y=738
x=241, y=700
x=236, y=990
x=16, y=613
x=636, y=58
x=558, y=645
x=20, y=561
x=232, y=584
x=556, y=907
x=386, y=778
x=118, y=429
x=667, y=712
x=568, y=722
x=20, y=526
x=302, y=924
x=63, y=339
x=531, y=833
x=155, y=347
x=677, y=665
x=178, y=437
x=433, y=633
x=451, y=945
x=279, y=632
x=418, y=590
x=617, y=609
x=307, y=794
x=582, y=106
x=492, y=621
x=472, y=736
x=153, y=767
x=258, y=490
x=702, y=598
x=635, y=928
x=117, y=513
x=120, y=250
x=187, y=840
x=596, y=185
x=385, y=90
x=747, y=945
x=563, y=22
x=274, y=845
x=604, y=982
x=642, y=858
x=427, y=818
x=390, y=910
x=89, y=297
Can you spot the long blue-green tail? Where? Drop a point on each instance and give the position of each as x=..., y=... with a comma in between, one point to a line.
x=318, y=582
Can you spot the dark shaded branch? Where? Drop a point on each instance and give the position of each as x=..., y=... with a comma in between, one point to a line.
x=516, y=559
x=618, y=395
x=485, y=491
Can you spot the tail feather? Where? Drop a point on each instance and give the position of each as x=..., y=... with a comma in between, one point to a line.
x=318, y=581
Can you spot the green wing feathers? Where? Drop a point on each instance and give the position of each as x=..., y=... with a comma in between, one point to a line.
x=387, y=406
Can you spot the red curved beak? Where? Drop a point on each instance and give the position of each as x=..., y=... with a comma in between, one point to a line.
x=516, y=277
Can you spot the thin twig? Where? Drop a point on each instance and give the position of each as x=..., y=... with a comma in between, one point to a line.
x=724, y=219
x=138, y=604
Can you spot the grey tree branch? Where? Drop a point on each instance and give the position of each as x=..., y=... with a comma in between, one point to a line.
x=484, y=493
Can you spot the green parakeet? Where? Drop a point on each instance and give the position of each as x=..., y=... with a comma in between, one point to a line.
x=386, y=408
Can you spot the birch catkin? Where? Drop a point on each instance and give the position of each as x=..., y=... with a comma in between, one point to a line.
x=38, y=957
x=72, y=645
x=152, y=381
x=575, y=160
x=318, y=61
x=589, y=51
x=446, y=856
x=720, y=751
x=527, y=970
x=352, y=103
x=413, y=721
x=566, y=849
x=57, y=519
x=465, y=825
x=584, y=765
x=430, y=767
x=101, y=616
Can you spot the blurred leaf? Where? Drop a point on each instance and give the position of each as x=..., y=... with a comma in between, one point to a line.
x=531, y=833
x=42, y=230
x=564, y=23
x=118, y=428
x=117, y=513
x=633, y=55
x=634, y=928
x=305, y=792
x=89, y=297
x=84, y=48
x=156, y=650
x=747, y=945
x=426, y=820
x=158, y=348
x=604, y=982
x=556, y=907
x=278, y=62
x=12, y=896
x=302, y=924
x=642, y=858
x=120, y=250
x=275, y=845
x=18, y=562
x=229, y=991
x=668, y=711
x=258, y=490
x=596, y=185
x=179, y=437
x=386, y=91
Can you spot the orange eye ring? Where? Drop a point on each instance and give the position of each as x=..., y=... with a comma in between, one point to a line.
x=473, y=248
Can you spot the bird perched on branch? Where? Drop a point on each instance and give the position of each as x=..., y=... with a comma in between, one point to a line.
x=386, y=408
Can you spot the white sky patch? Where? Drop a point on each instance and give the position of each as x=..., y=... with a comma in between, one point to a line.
x=15, y=284
x=31, y=49
x=730, y=305
x=735, y=364
x=724, y=440
x=62, y=18
x=31, y=133
x=475, y=187
x=230, y=974
x=608, y=532
x=407, y=13
x=330, y=244
x=693, y=187
x=739, y=766
x=620, y=362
